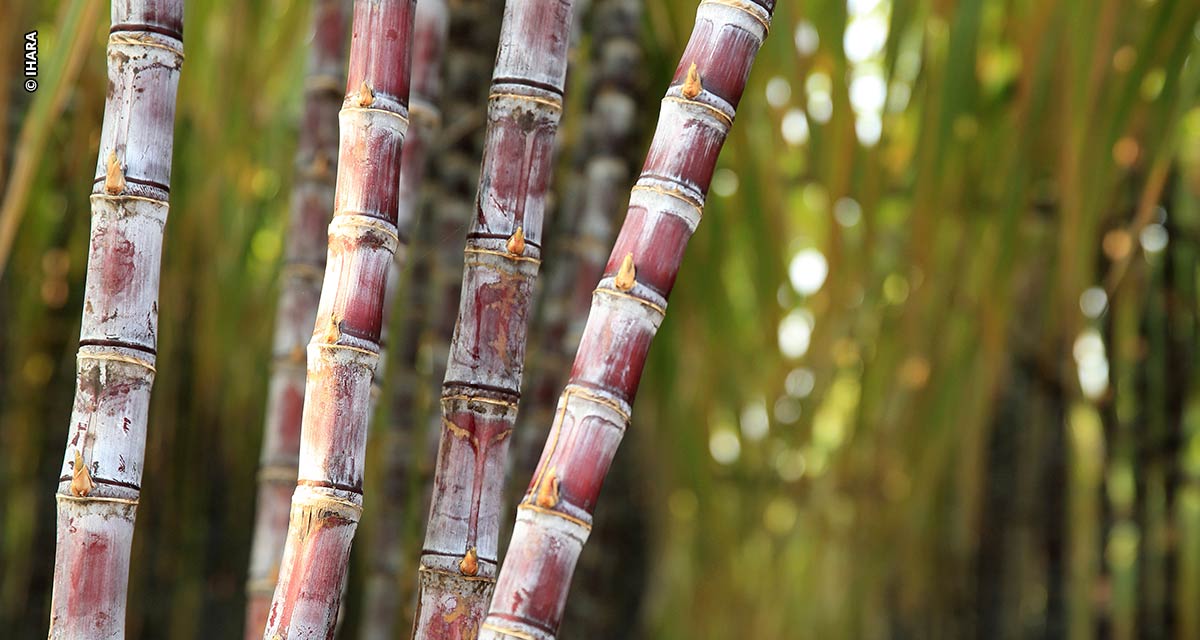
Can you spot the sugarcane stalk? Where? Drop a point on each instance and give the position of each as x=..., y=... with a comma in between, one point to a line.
x=483, y=371
x=1187, y=498
x=474, y=31
x=585, y=224
x=344, y=349
x=304, y=264
x=101, y=475
x=587, y=219
x=1124, y=536
x=554, y=518
x=385, y=562
x=1086, y=461
x=454, y=177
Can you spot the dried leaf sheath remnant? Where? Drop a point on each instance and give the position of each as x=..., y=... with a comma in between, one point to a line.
x=554, y=519
x=486, y=359
x=344, y=348
x=300, y=289
x=387, y=573
x=101, y=474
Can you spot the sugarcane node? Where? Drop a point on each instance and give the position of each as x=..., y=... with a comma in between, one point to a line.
x=516, y=242
x=366, y=97
x=81, y=480
x=114, y=177
x=547, y=496
x=626, y=275
x=469, y=565
x=691, y=85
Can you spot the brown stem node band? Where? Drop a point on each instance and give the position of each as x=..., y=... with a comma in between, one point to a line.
x=516, y=243
x=520, y=635
x=553, y=104
x=125, y=502
x=673, y=193
x=627, y=274
x=741, y=6
x=692, y=86
x=525, y=506
x=142, y=40
x=721, y=115
x=114, y=177
x=469, y=565
x=112, y=357
x=81, y=480
x=505, y=254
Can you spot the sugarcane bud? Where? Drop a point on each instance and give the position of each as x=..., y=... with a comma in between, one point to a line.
x=333, y=329
x=365, y=96
x=692, y=86
x=114, y=178
x=297, y=355
x=469, y=565
x=626, y=275
x=81, y=480
x=547, y=495
x=319, y=167
x=516, y=242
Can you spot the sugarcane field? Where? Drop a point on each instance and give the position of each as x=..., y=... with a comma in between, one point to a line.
x=600, y=319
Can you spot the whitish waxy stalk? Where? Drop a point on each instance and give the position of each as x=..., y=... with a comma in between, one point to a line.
x=483, y=371
x=304, y=264
x=454, y=179
x=587, y=218
x=344, y=349
x=382, y=592
x=101, y=475
x=555, y=516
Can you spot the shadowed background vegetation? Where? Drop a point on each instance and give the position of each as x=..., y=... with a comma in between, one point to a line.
x=929, y=371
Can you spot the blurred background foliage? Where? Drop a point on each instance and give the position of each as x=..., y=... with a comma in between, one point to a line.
x=929, y=370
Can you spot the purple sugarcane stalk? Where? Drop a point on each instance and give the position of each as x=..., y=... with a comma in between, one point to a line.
x=483, y=372
x=666, y=204
x=304, y=265
x=385, y=561
x=344, y=350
